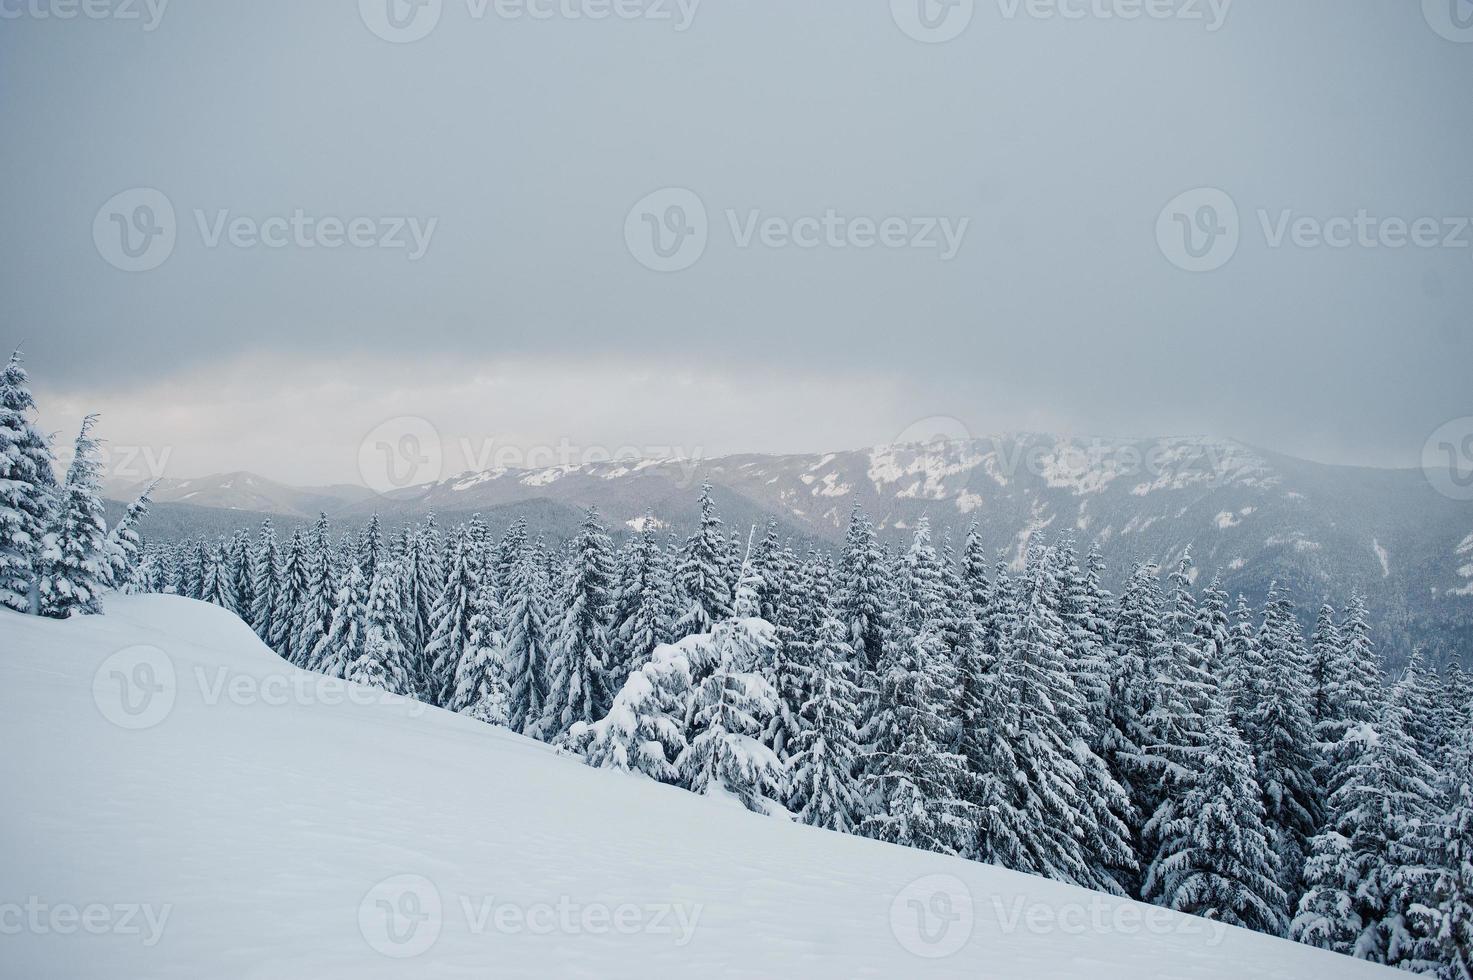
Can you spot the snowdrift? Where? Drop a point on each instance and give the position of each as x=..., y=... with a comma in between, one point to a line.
x=181, y=803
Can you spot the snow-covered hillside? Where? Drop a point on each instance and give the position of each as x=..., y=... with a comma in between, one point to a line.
x=181, y=803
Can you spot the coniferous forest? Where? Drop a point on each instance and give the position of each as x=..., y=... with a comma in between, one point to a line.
x=1172, y=743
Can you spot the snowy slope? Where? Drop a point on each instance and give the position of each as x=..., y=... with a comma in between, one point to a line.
x=244, y=819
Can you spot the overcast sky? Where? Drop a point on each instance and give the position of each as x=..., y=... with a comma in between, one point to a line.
x=1039, y=275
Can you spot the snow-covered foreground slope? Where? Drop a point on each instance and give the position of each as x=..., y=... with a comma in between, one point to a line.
x=180, y=803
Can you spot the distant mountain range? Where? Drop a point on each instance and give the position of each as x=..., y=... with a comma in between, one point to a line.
x=1247, y=515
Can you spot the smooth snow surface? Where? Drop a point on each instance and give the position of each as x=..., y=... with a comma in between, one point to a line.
x=228, y=822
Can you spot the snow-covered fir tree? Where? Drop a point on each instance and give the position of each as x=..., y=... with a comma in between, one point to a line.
x=480, y=677
x=384, y=663
x=217, y=586
x=1214, y=858
x=72, y=565
x=641, y=607
x=1354, y=902
x=862, y=592
x=452, y=620
x=313, y=615
x=1279, y=734
x=525, y=632
x=730, y=705
x=578, y=688
x=823, y=787
x=27, y=489
x=343, y=644
x=291, y=594
x=265, y=580
x=124, y=546
x=917, y=784
x=701, y=578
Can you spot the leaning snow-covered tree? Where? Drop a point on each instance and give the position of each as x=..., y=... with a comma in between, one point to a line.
x=124, y=545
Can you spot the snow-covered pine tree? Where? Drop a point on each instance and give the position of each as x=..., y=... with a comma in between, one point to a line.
x=579, y=685
x=641, y=607
x=1058, y=781
x=371, y=548
x=314, y=613
x=27, y=489
x=730, y=705
x=218, y=585
x=508, y=552
x=1353, y=902
x=1420, y=688
x=1243, y=672
x=343, y=643
x=291, y=594
x=238, y=567
x=1352, y=698
x=1087, y=634
x=424, y=580
x=1279, y=734
x=823, y=787
x=451, y=620
x=644, y=730
x=917, y=784
x=1324, y=651
x=701, y=577
x=265, y=580
x=480, y=678
x=384, y=662
x=1138, y=635
x=526, y=635
x=124, y=546
x=1214, y=631
x=1107, y=818
x=1214, y=858
x=192, y=570
x=72, y=566
x=1444, y=920
x=862, y=593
